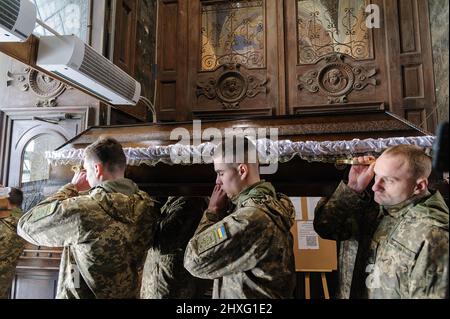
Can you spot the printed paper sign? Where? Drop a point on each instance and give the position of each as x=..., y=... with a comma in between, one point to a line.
x=307, y=237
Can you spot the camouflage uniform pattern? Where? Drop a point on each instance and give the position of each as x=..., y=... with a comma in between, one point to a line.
x=252, y=257
x=390, y=252
x=164, y=275
x=11, y=247
x=105, y=232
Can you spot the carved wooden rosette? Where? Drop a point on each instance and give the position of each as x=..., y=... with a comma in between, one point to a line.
x=46, y=88
x=336, y=76
x=230, y=84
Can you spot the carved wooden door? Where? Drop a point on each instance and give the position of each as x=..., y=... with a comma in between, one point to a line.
x=233, y=66
x=335, y=60
x=240, y=58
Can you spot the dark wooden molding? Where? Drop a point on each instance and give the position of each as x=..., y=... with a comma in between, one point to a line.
x=340, y=108
x=317, y=127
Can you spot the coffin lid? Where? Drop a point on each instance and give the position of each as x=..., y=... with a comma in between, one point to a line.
x=310, y=127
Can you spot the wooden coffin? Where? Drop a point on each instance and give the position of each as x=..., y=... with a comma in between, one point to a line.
x=296, y=177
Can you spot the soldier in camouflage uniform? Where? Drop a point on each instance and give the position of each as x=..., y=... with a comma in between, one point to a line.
x=247, y=250
x=11, y=245
x=164, y=274
x=105, y=232
x=395, y=245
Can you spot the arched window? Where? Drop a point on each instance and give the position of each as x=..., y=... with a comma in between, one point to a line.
x=34, y=165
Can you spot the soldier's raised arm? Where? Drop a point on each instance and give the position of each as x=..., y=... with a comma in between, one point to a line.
x=235, y=244
x=339, y=217
x=54, y=222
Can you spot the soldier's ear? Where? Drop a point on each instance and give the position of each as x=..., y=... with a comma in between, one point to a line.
x=99, y=169
x=243, y=170
x=421, y=186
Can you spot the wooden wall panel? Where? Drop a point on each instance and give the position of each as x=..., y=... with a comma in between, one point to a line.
x=169, y=41
x=409, y=37
x=397, y=73
x=413, y=81
x=168, y=96
x=307, y=88
x=132, y=57
x=172, y=61
x=411, y=77
x=415, y=116
x=237, y=90
x=125, y=35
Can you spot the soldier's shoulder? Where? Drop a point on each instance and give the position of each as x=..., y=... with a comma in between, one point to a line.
x=285, y=201
x=259, y=200
x=78, y=201
x=427, y=218
x=85, y=206
x=8, y=224
x=144, y=196
x=254, y=212
x=255, y=204
x=413, y=231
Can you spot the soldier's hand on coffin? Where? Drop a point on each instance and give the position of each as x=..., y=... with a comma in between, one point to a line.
x=361, y=174
x=80, y=181
x=218, y=202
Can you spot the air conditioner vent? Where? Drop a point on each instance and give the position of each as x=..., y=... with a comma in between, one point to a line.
x=105, y=72
x=75, y=62
x=17, y=20
x=9, y=13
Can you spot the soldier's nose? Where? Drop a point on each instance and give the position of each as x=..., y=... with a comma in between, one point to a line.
x=376, y=187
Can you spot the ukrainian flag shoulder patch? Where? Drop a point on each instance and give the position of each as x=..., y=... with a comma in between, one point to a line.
x=211, y=238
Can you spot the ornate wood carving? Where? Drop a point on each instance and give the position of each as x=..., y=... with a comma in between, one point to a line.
x=336, y=76
x=230, y=84
x=18, y=79
x=46, y=88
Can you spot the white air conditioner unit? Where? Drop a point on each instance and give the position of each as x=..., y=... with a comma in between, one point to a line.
x=17, y=20
x=71, y=59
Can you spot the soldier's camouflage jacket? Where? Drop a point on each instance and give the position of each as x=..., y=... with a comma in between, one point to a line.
x=105, y=234
x=164, y=274
x=11, y=247
x=398, y=251
x=249, y=253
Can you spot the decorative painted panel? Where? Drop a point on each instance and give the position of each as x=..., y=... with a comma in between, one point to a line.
x=233, y=32
x=326, y=27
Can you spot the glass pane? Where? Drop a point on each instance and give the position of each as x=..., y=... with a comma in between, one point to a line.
x=65, y=16
x=35, y=167
x=233, y=32
x=327, y=26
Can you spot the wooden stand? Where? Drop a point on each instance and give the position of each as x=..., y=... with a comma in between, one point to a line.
x=323, y=277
